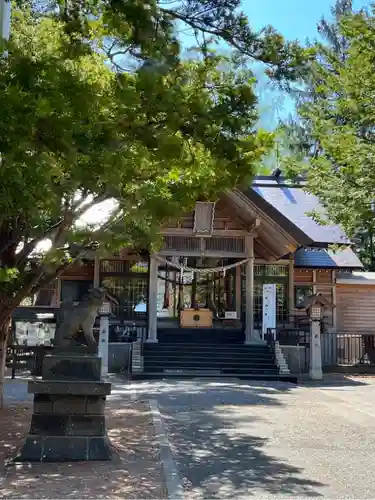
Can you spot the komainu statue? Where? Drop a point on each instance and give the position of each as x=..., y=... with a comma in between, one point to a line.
x=72, y=319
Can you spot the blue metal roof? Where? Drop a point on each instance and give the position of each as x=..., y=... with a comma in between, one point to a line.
x=293, y=203
x=327, y=259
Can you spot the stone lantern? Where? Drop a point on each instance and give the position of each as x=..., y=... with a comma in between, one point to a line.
x=315, y=306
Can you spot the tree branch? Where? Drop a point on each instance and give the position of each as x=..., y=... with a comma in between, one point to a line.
x=52, y=276
x=212, y=30
x=10, y=233
x=66, y=220
x=29, y=247
x=28, y=286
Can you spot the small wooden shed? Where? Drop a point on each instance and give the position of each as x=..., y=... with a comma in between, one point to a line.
x=355, y=299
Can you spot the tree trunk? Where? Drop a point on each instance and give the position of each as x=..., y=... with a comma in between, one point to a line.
x=5, y=320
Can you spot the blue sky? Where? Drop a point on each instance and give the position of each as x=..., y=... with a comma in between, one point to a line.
x=294, y=19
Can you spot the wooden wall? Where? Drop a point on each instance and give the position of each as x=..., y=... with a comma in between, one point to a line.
x=355, y=308
x=84, y=272
x=225, y=219
x=321, y=281
x=302, y=276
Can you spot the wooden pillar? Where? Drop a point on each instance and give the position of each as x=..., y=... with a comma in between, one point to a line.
x=291, y=288
x=193, y=300
x=238, y=292
x=58, y=292
x=97, y=271
x=334, y=302
x=249, y=329
x=314, y=281
x=152, y=301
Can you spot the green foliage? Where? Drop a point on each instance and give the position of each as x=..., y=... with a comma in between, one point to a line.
x=296, y=135
x=332, y=144
x=341, y=118
x=8, y=275
x=74, y=133
x=98, y=106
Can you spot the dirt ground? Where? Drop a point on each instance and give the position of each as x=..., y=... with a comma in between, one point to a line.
x=135, y=471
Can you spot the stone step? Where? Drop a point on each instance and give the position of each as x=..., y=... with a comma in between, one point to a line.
x=207, y=363
x=228, y=369
x=206, y=374
x=206, y=346
x=179, y=330
x=208, y=353
x=184, y=347
x=201, y=335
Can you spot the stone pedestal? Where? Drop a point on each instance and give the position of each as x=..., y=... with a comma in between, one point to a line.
x=68, y=420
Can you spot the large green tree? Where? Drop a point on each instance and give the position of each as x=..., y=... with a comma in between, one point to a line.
x=99, y=109
x=295, y=134
x=316, y=144
x=341, y=117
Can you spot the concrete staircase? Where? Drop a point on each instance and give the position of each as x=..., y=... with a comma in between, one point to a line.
x=187, y=353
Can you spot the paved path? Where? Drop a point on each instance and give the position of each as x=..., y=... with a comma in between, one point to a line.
x=135, y=471
x=235, y=440
x=15, y=391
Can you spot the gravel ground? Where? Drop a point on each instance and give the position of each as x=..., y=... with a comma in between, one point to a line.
x=236, y=440
x=134, y=473
x=228, y=440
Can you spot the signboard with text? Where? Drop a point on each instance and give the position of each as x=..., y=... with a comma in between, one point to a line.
x=269, y=308
x=230, y=314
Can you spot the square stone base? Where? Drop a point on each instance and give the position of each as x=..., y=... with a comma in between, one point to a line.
x=66, y=428
x=71, y=367
x=64, y=449
x=68, y=420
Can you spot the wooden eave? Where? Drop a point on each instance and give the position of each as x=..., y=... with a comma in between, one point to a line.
x=271, y=242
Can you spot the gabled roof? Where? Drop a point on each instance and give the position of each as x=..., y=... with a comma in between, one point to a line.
x=272, y=240
x=289, y=204
x=324, y=258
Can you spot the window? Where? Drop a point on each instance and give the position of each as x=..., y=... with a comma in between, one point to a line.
x=115, y=267
x=301, y=293
x=131, y=292
x=75, y=290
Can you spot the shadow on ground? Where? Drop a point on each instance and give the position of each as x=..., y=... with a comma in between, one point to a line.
x=214, y=435
x=134, y=472
x=338, y=380
x=218, y=451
